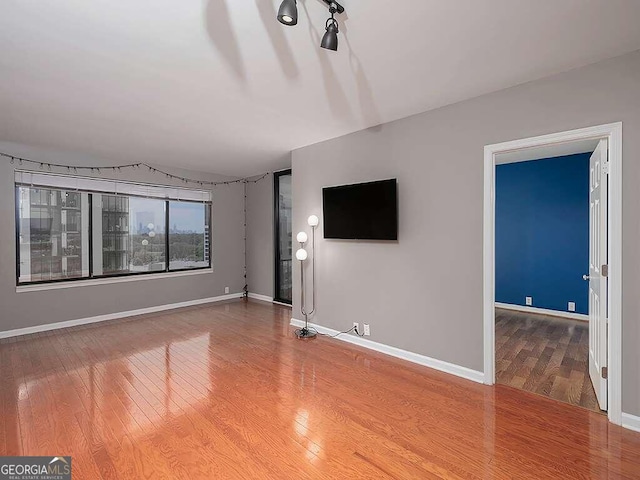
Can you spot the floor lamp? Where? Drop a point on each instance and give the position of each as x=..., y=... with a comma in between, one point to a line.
x=302, y=255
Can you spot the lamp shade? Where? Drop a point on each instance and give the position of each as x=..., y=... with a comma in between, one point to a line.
x=313, y=221
x=302, y=237
x=330, y=37
x=301, y=254
x=288, y=12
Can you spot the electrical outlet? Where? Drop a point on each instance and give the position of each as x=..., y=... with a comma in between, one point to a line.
x=356, y=325
x=226, y=289
x=367, y=329
x=528, y=300
x=572, y=306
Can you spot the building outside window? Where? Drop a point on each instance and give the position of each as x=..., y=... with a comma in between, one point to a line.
x=111, y=238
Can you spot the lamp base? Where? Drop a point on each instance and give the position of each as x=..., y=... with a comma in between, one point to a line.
x=305, y=333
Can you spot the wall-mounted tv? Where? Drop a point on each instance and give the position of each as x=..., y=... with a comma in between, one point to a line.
x=363, y=211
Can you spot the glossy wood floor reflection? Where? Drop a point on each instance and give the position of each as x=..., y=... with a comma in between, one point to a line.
x=545, y=355
x=226, y=392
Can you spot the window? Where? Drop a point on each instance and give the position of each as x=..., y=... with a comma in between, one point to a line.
x=188, y=235
x=64, y=234
x=283, y=236
x=111, y=234
x=130, y=238
x=52, y=234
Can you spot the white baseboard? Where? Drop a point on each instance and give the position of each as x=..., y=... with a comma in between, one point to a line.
x=446, y=367
x=631, y=422
x=112, y=316
x=543, y=311
x=283, y=304
x=258, y=296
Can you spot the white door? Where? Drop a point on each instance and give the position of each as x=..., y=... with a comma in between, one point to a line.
x=598, y=324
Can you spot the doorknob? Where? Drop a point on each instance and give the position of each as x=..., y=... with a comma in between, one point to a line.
x=586, y=277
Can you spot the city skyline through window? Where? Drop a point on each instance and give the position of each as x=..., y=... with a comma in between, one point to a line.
x=188, y=235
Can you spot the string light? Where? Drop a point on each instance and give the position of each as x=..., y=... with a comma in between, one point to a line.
x=133, y=166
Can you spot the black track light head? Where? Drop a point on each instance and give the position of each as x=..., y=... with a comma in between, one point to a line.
x=288, y=12
x=330, y=37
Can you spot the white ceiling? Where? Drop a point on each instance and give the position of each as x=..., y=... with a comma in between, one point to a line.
x=220, y=85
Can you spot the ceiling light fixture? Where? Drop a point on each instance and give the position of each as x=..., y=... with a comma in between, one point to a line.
x=330, y=37
x=288, y=13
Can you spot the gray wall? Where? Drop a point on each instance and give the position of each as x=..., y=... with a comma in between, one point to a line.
x=19, y=310
x=424, y=293
x=260, y=236
x=260, y=233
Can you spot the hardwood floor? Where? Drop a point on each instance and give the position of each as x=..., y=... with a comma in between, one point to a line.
x=545, y=355
x=226, y=391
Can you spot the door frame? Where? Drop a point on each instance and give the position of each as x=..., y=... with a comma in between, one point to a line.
x=276, y=235
x=613, y=133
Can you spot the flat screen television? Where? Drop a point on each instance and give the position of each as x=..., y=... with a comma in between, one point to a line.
x=363, y=211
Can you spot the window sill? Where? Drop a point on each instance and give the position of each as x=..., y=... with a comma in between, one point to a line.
x=107, y=281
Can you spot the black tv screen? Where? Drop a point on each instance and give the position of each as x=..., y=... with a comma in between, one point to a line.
x=364, y=211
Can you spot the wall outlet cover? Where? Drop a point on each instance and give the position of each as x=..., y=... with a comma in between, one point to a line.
x=572, y=306
x=356, y=325
x=226, y=289
x=528, y=300
x=367, y=329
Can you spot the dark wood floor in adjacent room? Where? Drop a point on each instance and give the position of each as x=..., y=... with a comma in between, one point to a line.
x=226, y=391
x=545, y=355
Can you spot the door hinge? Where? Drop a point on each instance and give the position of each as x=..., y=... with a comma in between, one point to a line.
x=605, y=372
x=604, y=271
x=605, y=168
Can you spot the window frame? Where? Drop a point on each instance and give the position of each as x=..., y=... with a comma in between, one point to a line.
x=168, y=239
x=164, y=273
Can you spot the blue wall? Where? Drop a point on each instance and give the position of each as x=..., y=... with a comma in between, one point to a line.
x=542, y=232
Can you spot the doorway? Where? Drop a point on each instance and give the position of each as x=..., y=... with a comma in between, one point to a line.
x=605, y=256
x=542, y=254
x=283, y=237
